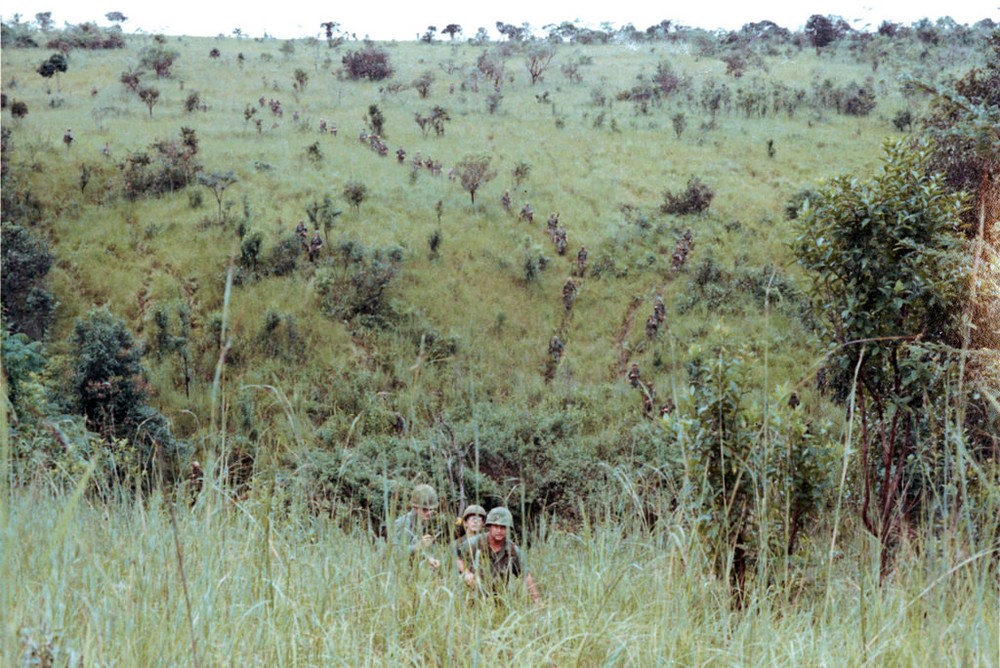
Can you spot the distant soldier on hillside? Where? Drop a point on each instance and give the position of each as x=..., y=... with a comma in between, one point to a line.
x=505, y=201
x=581, y=261
x=556, y=348
x=659, y=309
x=569, y=293
x=552, y=224
x=652, y=326
x=315, y=244
x=527, y=213
x=633, y=376
x=68, y=138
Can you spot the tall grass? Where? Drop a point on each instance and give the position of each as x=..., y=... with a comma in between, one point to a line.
x=98, y=583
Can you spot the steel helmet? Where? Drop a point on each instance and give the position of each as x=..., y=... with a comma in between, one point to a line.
x=424, y=496
x=501, y=517
x=474, y=510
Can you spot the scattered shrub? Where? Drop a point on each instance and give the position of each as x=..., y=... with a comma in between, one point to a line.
x=370, y=62
x=696, y=198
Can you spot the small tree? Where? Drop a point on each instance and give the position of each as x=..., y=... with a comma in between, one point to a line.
x=538, y=60
x=679, y=121
x=370, y=63
x=25, y=296
x=149, y=96
x=696, y=198
x=301, y=80
x=110, y=389
x=130, y=79
x=423, y=84
x=18, y=109
x=218, y=183
x=322, y=214
x=55, y=64
x=451, y=30
x=376, y=120
x=438, y=117
x=820, y=30
x=116, y=17
x=520, y=173
x=158, y=59
x=355, y=193
x=474, y=172
x=889, y=275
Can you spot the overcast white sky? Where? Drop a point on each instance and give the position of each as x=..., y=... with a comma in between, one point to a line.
x=403, y=20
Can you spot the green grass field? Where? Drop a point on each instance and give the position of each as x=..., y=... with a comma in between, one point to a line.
x=273, y=567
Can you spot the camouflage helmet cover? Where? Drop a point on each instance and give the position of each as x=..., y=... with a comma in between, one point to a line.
x=474, y=510
x=501, y=517
x=424, y=496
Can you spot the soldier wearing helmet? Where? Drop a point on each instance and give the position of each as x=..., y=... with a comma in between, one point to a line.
x=410, y=530
x=472, y=521
x=496, y=549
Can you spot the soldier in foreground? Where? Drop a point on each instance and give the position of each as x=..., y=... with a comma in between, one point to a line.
x=495, y=549
x=410, y=530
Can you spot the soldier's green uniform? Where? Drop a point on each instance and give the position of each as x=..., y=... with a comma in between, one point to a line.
x=488, y=560
x=503, y=564
x=409, y=530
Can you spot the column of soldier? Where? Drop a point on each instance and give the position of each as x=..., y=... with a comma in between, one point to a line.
x=485, y=556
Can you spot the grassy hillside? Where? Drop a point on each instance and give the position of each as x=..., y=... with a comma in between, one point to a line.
x=137, y=255
x=416, y=348
x=600, y=140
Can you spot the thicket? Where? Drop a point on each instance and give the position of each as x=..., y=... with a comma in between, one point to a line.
x=172, y=167
x=28, y=301
x=370, y=62
x=109, y=387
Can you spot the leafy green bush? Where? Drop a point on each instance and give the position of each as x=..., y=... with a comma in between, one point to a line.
x=889, y=273
x=108, y=386
x=360, y=291
x=27, y=301
x=370, y=62
x=696, y=198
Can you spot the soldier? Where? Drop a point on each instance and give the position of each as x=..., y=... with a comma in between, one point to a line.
x=561, y=240
x=551, y=225
x=648, y=398
x=106, y=151
x=569, y=293
x=496, y=549
x=659, y=309
x=196, y=477
x=322, y=126
x=68, y=138
x=408, y=530
x=581, y=261
x=315, y=244
x=633, y=376
x=556, y=348
x=652, y=326
x=301, y=231
x=666, y=409
x=527, y=213
x=333, y=129
x=472, y=522
x=505, y=201
x=793, y=400
x=400, y=155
